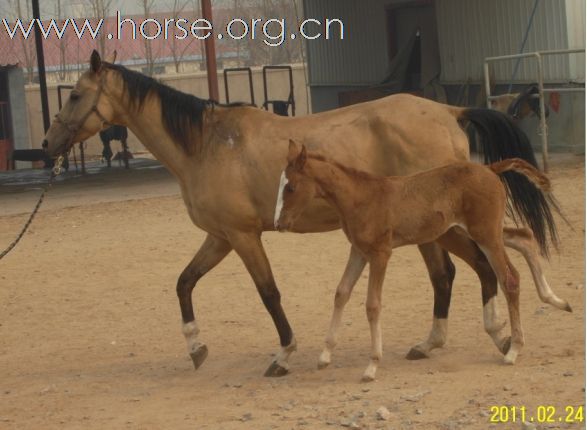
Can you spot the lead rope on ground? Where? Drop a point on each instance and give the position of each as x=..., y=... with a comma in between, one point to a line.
x=54, y=173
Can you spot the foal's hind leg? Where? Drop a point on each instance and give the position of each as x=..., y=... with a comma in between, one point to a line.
x=212, y=252
x=354, y=268
x=442, y=273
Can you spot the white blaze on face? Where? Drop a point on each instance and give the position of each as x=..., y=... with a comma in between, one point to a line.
x=282, y=183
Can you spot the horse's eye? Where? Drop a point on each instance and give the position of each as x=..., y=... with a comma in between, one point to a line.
x=74, y=96
x=288, y=188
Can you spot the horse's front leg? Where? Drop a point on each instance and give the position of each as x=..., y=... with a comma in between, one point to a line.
x=250, y=249
x=212, y=252
x=354, y=268
x=377, y=266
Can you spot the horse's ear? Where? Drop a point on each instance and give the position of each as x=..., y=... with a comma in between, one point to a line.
x=95, y=61
x=293, y=151
x=111, y=58
x=301, y=160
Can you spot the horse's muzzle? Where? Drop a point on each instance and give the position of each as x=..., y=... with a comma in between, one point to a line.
x=45, y=144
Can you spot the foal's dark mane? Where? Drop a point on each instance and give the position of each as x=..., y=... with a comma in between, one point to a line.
x=181, y=113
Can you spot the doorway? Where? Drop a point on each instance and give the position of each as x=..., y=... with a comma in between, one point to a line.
x=413, y=44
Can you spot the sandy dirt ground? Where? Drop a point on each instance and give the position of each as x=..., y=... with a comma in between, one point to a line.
x=90, y=326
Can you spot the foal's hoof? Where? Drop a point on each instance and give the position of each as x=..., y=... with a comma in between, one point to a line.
x=276, y=370
x=505, y=347
x=415, y=354
x=368, y=378
x=199, y=355
x=323, y=364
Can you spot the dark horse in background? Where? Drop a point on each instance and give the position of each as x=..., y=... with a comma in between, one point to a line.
x=116, y=132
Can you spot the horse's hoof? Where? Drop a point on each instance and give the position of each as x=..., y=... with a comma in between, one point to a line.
x=367, y=378
x=415, y=354
x=199, y=355
x=322, y=365
x=510, y=358
x=505, y=347
x=276, y=370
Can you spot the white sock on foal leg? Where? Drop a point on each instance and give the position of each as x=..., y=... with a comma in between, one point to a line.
x=325, y=356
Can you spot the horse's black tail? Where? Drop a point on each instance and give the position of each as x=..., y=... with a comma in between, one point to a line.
x=502, y=139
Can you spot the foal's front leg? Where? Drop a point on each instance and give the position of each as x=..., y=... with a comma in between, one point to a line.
x=377, y=266
x=352, y=272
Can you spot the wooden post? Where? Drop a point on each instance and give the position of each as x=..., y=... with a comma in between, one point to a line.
x=209, y=44
x=41, y=68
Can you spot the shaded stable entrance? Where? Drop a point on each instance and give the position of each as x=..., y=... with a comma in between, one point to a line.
x=14, y=130
x=413, y=52
x=6, y=144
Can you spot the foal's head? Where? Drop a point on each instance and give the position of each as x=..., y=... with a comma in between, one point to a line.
x=85, y=113
x=296, y=189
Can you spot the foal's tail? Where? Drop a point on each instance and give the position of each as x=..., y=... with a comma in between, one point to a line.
x=524, y=208
x=539, y=179
x=500, y=140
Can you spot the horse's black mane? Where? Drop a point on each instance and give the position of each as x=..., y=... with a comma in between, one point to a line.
x=181, y=113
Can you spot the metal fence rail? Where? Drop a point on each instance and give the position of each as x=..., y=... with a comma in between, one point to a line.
x=538, y=56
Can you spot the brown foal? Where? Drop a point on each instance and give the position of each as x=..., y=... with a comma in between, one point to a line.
x=379, y=214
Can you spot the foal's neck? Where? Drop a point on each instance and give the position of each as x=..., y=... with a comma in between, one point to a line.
x=344, y=189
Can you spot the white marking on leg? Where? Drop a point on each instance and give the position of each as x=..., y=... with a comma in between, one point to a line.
x=190, y=331
x=436, y=338
x=351, y=275
x=492, y=323
x=279, y=205
x=282, y=356
x=343, y=295
x=373, y=315
x=376, y=351
x=325, y=356
x=528, y=249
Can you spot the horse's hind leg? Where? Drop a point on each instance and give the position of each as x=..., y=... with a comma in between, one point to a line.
x=463, y=247
x=522, y=240
x=212, y=252
x=442, y=273
x=352, y=272
x=509, y=281
x=250, y=249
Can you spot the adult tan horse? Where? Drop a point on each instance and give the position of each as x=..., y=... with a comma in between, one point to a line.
x=381, y=213
x=227, y=161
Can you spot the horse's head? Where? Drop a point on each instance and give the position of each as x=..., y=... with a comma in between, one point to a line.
x=296, y=188
x=86, y=112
